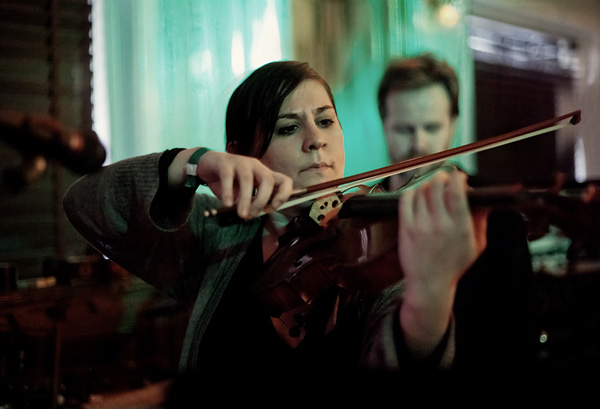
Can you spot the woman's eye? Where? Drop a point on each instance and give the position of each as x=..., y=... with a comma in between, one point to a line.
x=286, y=130
x=325, y=122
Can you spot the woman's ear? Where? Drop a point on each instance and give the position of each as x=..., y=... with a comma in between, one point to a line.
x=231, y=147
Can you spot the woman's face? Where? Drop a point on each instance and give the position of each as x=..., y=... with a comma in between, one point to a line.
x=308, y=143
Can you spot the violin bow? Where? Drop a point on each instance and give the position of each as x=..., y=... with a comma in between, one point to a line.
x=300, y=196
x=323, y=189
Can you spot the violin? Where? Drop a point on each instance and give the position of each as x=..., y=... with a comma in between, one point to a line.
x=354, y=243
x=357, y=249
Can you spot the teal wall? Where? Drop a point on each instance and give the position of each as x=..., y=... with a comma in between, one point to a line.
x=171, y=66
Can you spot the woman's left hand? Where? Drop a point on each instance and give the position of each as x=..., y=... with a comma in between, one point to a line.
x=438, y=240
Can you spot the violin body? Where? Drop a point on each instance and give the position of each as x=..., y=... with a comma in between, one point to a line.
x=351, y=253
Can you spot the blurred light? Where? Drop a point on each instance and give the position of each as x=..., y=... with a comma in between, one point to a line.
x=237, y=53
x=580, y=164
x=39, y=164
x=448, y=15
x=75, y=141
x=100, y=101
x=206, y=62
x=266, y=41
x=593, y=65
x=201, y=64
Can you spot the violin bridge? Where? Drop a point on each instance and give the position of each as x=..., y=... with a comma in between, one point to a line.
x=325, y=208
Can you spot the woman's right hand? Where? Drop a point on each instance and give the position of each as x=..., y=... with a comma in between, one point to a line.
x=240, y=181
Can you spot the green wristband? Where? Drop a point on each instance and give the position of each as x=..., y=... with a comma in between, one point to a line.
x=192, y=180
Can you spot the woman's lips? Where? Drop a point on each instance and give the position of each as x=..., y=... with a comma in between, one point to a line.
x=318, y=166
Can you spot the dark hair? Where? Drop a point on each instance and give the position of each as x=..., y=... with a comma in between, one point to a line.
x=416, y=72
x=254, y=105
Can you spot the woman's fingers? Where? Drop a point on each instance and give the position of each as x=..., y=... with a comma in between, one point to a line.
x=273, y=189
x=283, y=186
x=435, y=219
x=244, y=182
x=265, y=181
x=455, y=195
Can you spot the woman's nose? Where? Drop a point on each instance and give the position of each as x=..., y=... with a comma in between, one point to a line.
x=315, y=138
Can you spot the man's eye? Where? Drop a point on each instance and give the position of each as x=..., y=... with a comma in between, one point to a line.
x=433, y=128
x=403, y=130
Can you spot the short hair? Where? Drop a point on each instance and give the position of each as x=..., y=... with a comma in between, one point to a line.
x=417, y=72
x=254, y=106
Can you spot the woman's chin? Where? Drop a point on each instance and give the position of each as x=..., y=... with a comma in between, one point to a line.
x=312, y=178
x=310, y=181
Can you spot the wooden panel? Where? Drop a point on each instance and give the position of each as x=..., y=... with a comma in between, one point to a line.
x=509, y=99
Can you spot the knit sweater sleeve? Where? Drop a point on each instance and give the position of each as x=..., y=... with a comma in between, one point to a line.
x=117, y=211
x=384, y=347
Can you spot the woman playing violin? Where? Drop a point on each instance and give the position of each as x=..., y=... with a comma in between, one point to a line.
x=283, y=133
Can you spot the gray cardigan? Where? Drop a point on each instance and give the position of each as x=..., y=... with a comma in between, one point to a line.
x=187, y=255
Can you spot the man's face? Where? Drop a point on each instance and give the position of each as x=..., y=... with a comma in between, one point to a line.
x=418, y=122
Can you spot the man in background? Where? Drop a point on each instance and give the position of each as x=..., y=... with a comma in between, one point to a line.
x=418, y=105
